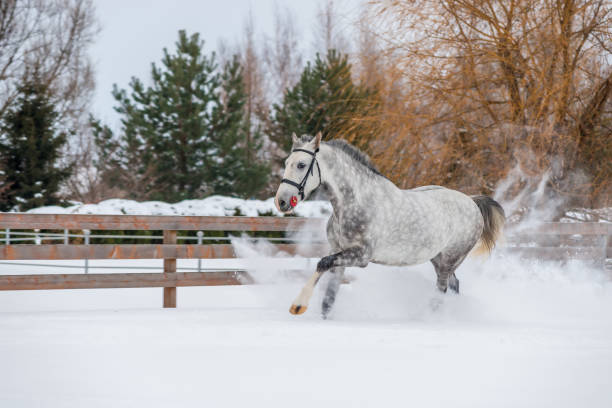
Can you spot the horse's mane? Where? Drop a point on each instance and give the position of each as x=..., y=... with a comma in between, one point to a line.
x=354, y=153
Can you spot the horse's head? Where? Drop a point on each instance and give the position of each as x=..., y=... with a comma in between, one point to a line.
x=302, y=174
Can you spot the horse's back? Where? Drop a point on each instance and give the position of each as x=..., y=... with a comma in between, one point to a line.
x=429, y=220
x=453, y=212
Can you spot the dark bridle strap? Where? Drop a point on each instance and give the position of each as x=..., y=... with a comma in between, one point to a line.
x=306, y=151
x=310, y=170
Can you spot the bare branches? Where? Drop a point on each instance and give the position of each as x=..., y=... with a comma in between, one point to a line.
x=482, y=82
x=328, y=29
x=48, y=39
x=281, y=53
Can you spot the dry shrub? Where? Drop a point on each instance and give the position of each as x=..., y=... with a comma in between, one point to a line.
x=470, y=89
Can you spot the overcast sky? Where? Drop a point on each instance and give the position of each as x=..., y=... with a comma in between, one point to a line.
x=133, y=33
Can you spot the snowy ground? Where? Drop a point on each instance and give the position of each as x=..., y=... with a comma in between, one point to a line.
x=519, y=335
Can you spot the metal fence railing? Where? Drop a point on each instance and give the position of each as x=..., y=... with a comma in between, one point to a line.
x=8, y=237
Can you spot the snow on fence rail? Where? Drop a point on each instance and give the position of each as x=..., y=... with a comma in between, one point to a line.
x=562, y=241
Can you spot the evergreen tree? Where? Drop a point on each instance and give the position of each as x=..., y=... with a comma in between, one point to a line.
x=325, y=99
x=166, y=144
x=240, y=171
x=110, y=162
x=183, y=136
x=30, y=151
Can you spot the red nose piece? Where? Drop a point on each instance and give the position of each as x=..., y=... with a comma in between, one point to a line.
x=293, y=201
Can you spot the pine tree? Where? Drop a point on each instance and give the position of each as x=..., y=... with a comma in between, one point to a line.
x=166, y=143
x=30, y=151
x=325, y=99
x=240, y=171
x=185, y=136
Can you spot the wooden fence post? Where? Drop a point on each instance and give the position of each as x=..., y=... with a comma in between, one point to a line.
x=170, y=267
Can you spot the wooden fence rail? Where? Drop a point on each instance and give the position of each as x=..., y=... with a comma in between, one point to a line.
x=156, y=222
x=137, y=251
x=589, y=241
x=123, y=280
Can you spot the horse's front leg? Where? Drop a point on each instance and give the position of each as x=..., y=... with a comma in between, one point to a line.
x=356, y=256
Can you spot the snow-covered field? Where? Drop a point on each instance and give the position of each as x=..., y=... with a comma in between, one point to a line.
x=519, y=335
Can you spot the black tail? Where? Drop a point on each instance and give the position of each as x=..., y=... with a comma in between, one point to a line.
x=494, y=219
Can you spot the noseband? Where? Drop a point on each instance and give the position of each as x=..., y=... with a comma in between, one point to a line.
x=310, y=171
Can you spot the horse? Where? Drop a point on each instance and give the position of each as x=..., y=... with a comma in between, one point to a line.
x=373, y=220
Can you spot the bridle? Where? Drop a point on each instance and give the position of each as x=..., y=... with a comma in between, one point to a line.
x=310, y=171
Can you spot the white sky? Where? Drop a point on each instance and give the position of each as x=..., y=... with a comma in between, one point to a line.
x=134, y=32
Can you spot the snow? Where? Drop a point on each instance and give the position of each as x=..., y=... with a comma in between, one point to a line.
x=519, y=335
x=588, y=215
x=213, y=206
x=222, y=205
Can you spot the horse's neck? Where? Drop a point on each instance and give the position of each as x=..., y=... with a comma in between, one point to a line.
x=343, y=179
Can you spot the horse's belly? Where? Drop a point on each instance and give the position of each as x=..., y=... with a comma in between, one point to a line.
x=393, y=254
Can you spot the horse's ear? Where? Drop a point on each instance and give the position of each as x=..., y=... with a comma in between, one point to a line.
x=294, y=138
x=317, y=140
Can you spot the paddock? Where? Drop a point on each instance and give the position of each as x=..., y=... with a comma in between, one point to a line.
x=525, y=331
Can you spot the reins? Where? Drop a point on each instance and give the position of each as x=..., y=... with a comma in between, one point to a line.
x=310, y=171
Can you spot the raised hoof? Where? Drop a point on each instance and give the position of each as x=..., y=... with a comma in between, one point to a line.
x=297, y=309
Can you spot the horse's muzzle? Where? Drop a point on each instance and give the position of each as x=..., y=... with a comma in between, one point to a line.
x=284, y=204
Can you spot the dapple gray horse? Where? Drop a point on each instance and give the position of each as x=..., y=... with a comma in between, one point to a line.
x=375, y=221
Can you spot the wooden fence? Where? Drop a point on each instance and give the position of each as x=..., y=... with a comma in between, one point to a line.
x=169, y=251
x=587, y=241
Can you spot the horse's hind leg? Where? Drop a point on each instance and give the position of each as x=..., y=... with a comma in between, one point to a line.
x=445, y=265
x=332, y=289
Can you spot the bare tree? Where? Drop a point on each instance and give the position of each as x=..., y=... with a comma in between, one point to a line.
x=282, y=54
x=48, y=38
x=368, y=52
x=487, y=85
x=254, y=79
x=329, y=30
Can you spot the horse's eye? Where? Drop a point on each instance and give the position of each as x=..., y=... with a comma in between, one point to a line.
x=301, y=166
